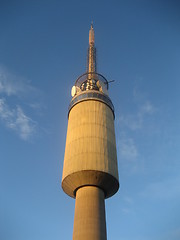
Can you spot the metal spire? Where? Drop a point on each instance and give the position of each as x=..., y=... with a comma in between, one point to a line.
x=91, y=35
x=91, y=63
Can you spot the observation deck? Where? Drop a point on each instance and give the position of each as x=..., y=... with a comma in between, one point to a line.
x=91, y=86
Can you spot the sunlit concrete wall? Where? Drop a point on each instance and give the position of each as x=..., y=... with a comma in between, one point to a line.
x=90, y=154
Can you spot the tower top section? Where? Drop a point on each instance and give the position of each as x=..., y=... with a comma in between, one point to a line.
x=91, y=80
x=91, y=85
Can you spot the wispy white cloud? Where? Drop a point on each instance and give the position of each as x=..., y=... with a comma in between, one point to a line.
x=36, y=106
x=128, y=155
x=13, y=85
x=126, y=210
x=14, y=117
x=128, y=199
x=127, y=148
x=147, y=108
x=135, y=121
x=127, y=123
x=8, y=87
x=16, y=120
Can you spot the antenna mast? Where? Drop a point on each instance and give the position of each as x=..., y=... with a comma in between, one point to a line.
x=91, y=59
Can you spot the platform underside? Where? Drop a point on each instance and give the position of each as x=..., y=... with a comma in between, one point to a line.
x=108, y=183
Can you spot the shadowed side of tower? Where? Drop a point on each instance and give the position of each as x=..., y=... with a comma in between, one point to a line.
x=90, y=163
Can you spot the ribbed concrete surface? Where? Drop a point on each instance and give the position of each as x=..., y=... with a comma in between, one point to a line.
x=89, y=219
x=90, y=146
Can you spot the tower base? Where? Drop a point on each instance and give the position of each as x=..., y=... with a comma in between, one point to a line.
x=89, y=218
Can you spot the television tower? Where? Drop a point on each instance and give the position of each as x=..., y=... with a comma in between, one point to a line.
x=90, y=173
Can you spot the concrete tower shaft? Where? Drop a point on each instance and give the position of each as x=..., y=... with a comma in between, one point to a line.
x=90, y=172
x=89, y=217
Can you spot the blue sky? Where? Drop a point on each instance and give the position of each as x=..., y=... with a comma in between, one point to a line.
x=43, y=47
